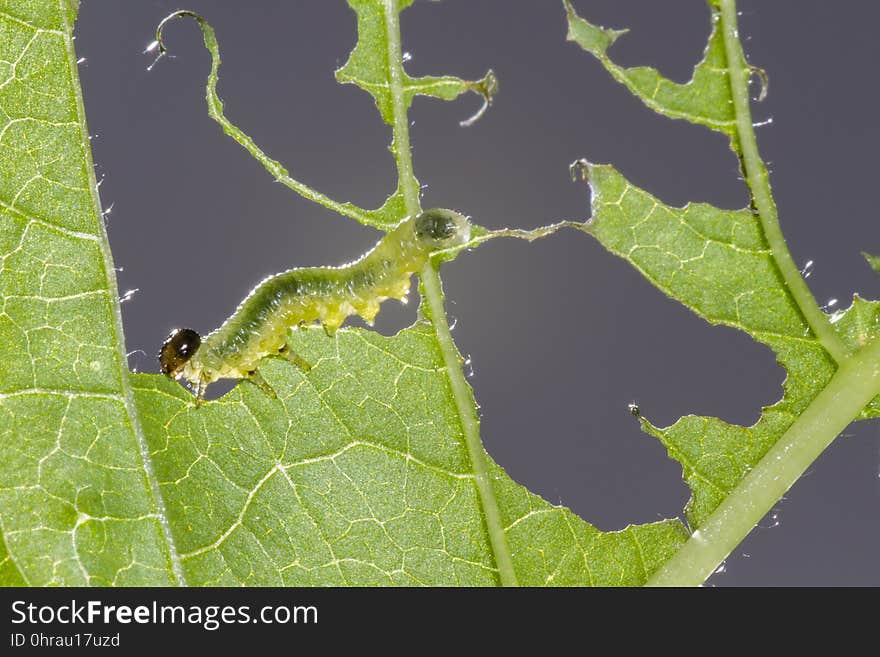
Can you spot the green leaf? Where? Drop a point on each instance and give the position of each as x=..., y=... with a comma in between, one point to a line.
x=733, y=268
x=366, y=470
x=873, y=261
x=705, y=100
x=717, y=263
x=358, y=474
x=375, y=65
x=369, y=66
x=76, y=502
x=10, y=575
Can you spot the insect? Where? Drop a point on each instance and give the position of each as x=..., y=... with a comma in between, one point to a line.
x=306, y=295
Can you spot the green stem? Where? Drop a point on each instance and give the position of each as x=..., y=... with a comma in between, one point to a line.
x=855, y=383
x=758, y=181
x=433, y=295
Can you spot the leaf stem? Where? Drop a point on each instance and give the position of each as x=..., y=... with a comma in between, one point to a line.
x=433, y=295
x=758, y=181
x=855, y=383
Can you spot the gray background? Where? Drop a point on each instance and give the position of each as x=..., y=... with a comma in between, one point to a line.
x=562, y=335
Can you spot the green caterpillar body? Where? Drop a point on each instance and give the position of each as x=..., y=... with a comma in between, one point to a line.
x=301, y=296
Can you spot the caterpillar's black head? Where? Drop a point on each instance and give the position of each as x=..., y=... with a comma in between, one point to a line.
x=177, y=349
x=442, y=229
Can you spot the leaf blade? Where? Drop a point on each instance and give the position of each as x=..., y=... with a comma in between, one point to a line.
x=357, y=475
x=705, y=99
x=368, y=66
x=77, y=504
x=717, y=263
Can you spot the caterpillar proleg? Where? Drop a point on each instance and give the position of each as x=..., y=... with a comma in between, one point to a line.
x=327, y=295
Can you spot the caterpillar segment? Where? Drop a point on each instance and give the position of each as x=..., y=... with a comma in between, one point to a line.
x=308, y=295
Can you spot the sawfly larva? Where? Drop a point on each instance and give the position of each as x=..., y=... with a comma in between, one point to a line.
x=305, y=295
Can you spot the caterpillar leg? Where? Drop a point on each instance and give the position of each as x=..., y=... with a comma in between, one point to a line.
x=295, y=358
x=199, y=392
x=257, y=379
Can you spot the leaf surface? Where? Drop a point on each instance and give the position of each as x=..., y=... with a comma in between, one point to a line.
x=76, y=502
x=357, y=475
x=717, y=263
x=704, y=100
x=720, y=264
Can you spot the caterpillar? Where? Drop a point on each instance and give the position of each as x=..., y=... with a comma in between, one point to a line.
x=306, y=295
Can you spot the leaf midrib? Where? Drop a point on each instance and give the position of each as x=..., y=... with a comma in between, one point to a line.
x=434, y=298
x=115, y=308
x=757, y=179
x=853, y=385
